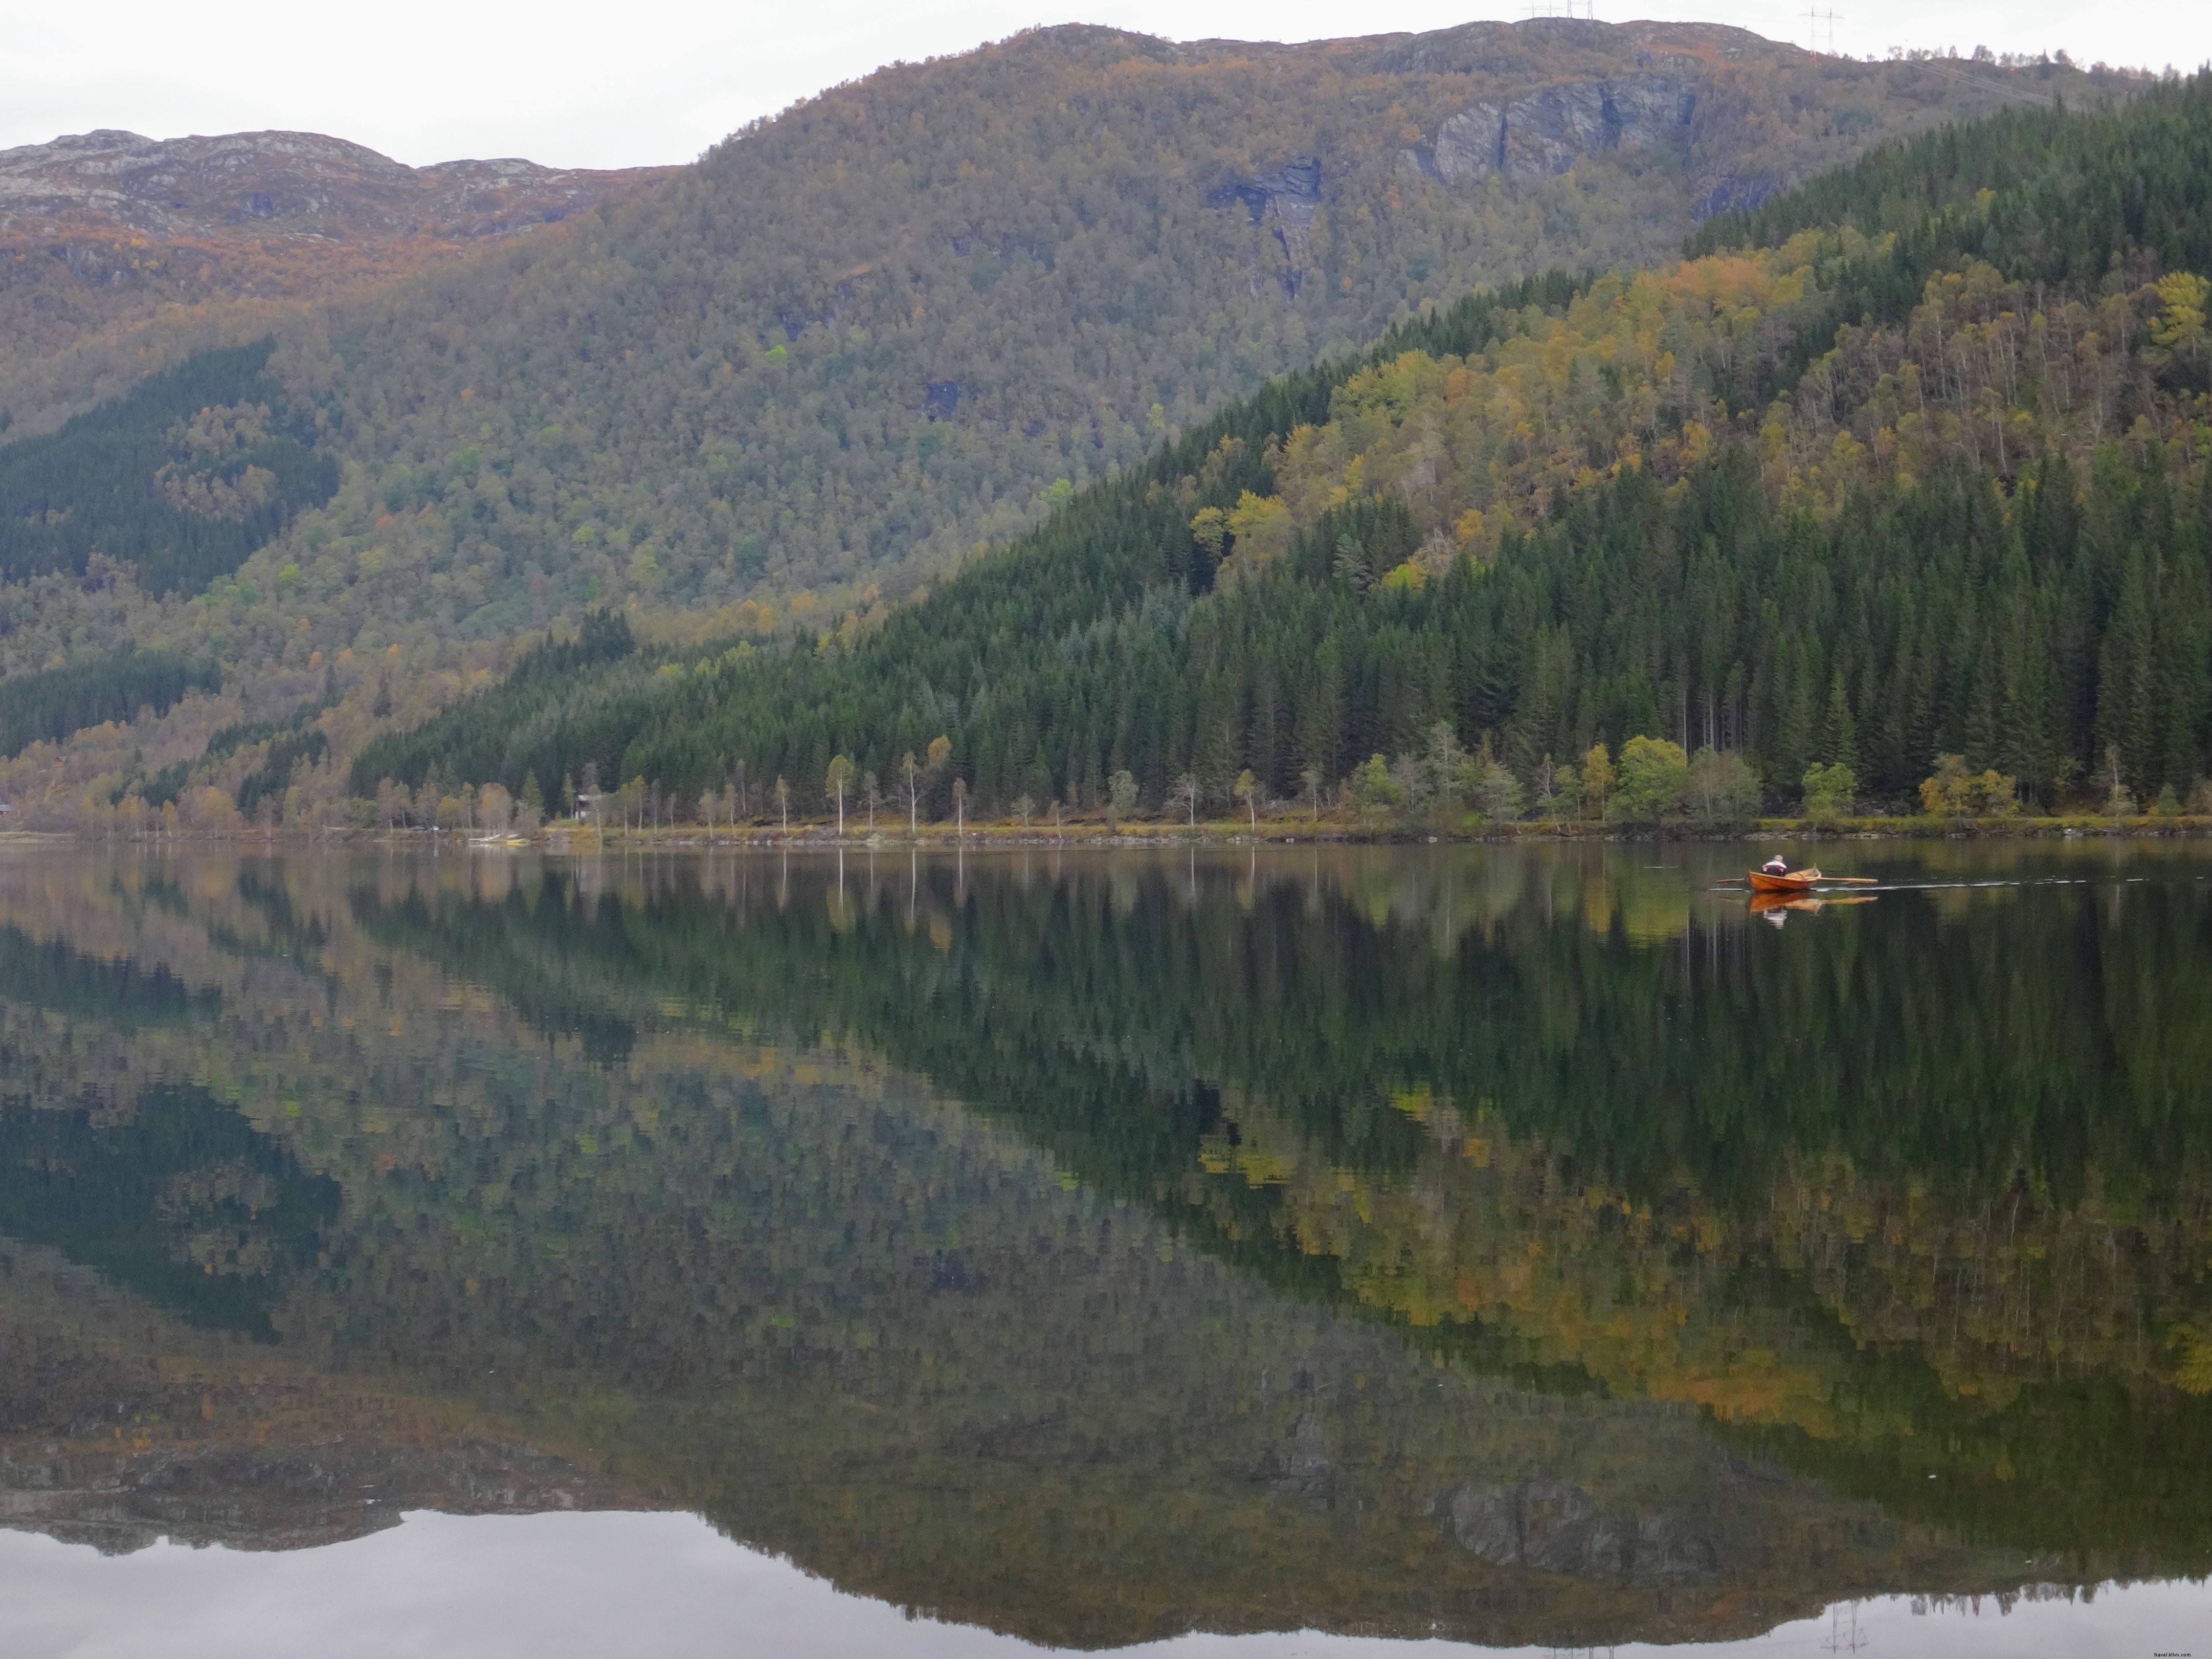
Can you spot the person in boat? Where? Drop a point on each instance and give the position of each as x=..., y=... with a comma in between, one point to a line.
x=1776, y=865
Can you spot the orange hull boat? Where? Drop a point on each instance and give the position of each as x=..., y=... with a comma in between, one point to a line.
x=1797, y=881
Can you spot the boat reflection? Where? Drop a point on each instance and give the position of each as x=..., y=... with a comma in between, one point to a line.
x=1777, y=908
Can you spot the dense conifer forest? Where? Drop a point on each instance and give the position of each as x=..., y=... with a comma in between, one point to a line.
x=50, y=705
x=173, y=483
x=1899, y=467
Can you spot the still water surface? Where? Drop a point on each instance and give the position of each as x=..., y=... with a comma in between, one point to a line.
x=1306, y=1251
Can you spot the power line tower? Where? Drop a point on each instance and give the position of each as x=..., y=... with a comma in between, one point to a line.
x=1843, y=1638
x=1819, y=26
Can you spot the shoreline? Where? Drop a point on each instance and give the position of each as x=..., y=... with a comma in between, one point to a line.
x=569, y=839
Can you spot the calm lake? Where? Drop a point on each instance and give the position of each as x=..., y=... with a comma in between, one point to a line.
x=1306, y=1251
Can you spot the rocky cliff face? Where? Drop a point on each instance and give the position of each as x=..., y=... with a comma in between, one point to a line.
x=1285, y=200
x=295, y=183
x=1548, y=132
x=1680, y=119
x=1554, y=1526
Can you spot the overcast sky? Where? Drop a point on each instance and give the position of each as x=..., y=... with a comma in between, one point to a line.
x=653, y=80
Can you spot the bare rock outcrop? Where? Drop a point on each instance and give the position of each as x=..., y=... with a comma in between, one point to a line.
x=1285, y=199
x=1552, y=1526
x=296, y=1495
x=1547, y=132
x=298, y=183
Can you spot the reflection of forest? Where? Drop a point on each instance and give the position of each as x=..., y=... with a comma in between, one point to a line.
x=120, y=1424
x=623, y=1166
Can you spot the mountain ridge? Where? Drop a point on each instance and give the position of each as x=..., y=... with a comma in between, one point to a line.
x=121, y=254
x=288, y=181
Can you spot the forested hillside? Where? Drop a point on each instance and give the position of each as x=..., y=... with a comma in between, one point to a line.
x=855, y=344
x=121, y=254
x=861, y=338
x=1903, y=466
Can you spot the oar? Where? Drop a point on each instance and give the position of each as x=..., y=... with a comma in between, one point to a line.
x=1851, y=881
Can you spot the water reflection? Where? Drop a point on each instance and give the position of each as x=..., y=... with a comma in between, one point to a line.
x=1519, y=1246
x=573, y=1586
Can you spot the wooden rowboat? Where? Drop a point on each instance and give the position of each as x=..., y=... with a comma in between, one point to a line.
x=1797, y=881
x=1804, y=881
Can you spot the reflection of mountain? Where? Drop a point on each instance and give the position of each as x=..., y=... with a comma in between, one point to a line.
x=118, y=1426
x=1954, y=1164
x=851, y=1327
x=972, y=1363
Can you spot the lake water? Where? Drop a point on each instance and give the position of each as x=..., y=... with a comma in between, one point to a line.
x=1307, y=1251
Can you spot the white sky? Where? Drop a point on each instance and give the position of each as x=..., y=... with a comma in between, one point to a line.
x=651, y=80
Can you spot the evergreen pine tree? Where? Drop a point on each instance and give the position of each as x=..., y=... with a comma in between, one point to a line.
x=1840, y=739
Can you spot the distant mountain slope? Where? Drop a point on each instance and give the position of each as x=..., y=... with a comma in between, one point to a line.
x=1930, y=481
x=861, y=338
x=112, y=244
x=860, y=342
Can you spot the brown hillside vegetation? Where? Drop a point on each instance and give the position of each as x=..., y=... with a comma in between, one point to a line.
x=120, y=254
x=858, y=340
